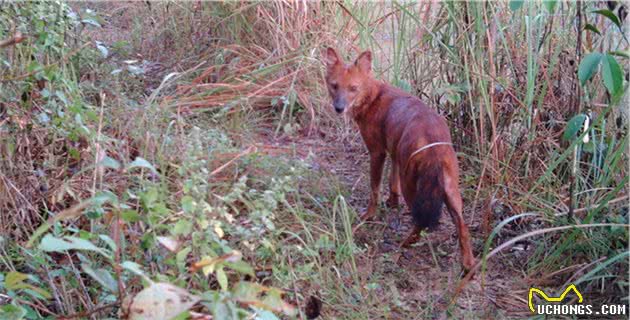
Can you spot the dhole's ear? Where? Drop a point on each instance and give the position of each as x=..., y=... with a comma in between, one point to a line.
x=364, y=61
x=332, y=58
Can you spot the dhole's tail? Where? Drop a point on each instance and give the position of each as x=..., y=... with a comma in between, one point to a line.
x=427, y=206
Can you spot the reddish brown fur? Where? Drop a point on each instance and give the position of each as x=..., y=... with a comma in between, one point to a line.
x=394, y=122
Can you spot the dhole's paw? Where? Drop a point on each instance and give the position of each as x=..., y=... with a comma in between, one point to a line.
x=364, y=216
x=367, y=215
x=392, y=201
x=469, y=264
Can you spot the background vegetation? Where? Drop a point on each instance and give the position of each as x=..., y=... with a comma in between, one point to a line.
x=181, y=158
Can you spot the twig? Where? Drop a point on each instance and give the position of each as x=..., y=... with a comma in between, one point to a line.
x=592, y=207
x=225, y=165
x=53, y=288
x=85, y=314
x=117, y=257
x=17, y=38
x=295, y=288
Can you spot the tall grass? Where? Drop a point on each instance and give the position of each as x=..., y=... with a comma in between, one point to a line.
x=164, y=132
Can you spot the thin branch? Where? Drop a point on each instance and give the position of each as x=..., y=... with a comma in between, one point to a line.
x=87, y=313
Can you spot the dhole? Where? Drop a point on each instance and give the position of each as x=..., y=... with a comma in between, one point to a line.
x=424, y=165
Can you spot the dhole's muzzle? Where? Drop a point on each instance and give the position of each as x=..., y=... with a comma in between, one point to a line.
x=340, y=104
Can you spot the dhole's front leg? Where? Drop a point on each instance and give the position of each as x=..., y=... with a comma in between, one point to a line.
x=377, y=159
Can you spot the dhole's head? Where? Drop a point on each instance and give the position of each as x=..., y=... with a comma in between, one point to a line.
x=347, y=84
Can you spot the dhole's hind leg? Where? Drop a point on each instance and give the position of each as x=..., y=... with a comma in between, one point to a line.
x=453, y=201
x=394, y=185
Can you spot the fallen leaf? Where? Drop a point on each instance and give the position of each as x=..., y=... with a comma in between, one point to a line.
x=161, y=301
x=169, y=243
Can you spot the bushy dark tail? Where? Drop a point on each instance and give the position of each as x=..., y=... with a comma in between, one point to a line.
x=427, y=206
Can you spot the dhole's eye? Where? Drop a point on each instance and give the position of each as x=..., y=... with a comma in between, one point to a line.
x=334, y=86
x=354, y=88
